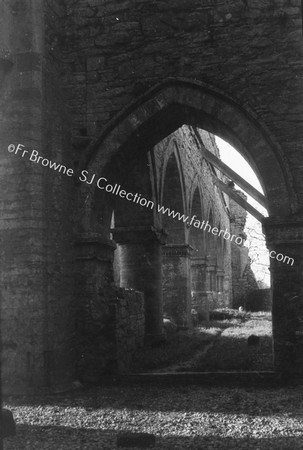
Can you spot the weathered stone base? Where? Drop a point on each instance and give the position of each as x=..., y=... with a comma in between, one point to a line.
x=108, y=338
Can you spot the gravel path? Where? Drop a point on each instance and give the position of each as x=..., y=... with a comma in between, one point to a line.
x=190, y=417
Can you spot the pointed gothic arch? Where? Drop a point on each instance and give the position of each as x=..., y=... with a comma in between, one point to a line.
x=169, y=105
x=173, y=197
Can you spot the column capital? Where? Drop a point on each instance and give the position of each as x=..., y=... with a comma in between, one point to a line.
x=94, y=246
x=138, y=234
x=199, y=261
x=283, y=230
x=176, y=250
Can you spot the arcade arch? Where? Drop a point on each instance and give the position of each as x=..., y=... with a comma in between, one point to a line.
x=154, y=116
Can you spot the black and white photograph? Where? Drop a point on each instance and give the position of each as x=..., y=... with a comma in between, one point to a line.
x=151, y=224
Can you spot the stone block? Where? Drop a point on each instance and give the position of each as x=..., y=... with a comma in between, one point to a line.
x=253, y=341
x=8, y=424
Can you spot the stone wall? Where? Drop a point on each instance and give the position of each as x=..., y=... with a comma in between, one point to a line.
x=130, y=326
x=119, y=50
x=86, y=68
x=109, y=333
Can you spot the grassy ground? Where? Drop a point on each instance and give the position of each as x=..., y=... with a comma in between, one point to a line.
x=219, y=345
x=177, y=348
x=231, y=351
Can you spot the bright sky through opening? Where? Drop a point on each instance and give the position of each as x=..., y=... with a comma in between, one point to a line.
x=260, y=257
x=235, y=161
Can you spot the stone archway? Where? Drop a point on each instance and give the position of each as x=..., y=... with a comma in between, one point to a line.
x=165, y=108
x=176, y=102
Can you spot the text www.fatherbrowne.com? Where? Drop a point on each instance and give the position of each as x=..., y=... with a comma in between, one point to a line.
x=102, y=184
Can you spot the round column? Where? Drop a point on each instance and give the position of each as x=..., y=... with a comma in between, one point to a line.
x=140, y=269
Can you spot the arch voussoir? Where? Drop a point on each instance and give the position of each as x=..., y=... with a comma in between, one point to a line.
x=177, y=102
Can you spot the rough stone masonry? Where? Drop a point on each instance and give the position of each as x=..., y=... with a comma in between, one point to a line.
x=95, y=85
